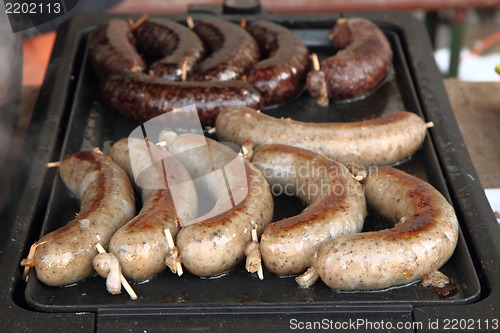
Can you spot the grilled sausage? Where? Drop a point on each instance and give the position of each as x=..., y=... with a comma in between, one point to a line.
x=363, y=59
x=140, y=245
x=282, y=72
x=111, y=49
x=64, y=256
x=213, y=246
x=336, y=205
x=142, y=97
x=384, y=140
x=172, y=44
x=232, y=50
x=423, y=238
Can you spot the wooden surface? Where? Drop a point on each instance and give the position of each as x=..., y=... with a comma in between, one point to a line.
x=477, y=109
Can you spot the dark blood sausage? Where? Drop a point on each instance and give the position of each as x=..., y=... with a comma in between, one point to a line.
x=336, y=205
x=171, y=43
x=232, y=50
x=112, y=49
x=282, y=73
x=362, y=61
x=142, y=97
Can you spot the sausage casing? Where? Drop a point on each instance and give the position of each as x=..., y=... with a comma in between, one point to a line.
x=232, y=50
x=281, y=73
x=142, y=97
x=112, y=49
x=385, y=140
x=363, y=59
x=423, y=238
x=215, y=245
x=171, y=44
x=64, y=256
x=336, y=205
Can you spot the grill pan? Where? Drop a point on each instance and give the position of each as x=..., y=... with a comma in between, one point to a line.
x=70, y=116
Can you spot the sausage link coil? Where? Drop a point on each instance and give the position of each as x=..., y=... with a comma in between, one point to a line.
x=112, y=49
x=140, y=245
x=64, y=256
x=363, y=59
x=232, y=50
x=215, y=245
x=282, y=72
x=172, y=44
x=142, y=97
x=423, y=238
x=336, y=205
x=385, y=140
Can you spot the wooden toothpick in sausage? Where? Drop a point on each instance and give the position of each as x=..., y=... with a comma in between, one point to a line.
x=281, y=73
x=423, y=238
x=140, y=245
x=385, y=140
x=64, y=256
x=336, y=205
x=112, y=49
x=363, y=59
x=215, y=243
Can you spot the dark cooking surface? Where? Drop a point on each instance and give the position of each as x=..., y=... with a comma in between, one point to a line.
x=93, y=124
x=72, y=117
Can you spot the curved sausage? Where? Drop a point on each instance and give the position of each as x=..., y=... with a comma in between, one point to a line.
x=142, y=97
x=336, y=205
x=232, y=50
x=64, y=256
x=363, y=59
x=385, y=140
x=171, y=43
x=423, y=238
x=111, y=49
x=282, y=72
x=140, y=245
x=215, y=244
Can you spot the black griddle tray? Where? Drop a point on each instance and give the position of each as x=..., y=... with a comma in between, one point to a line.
x=71, y=117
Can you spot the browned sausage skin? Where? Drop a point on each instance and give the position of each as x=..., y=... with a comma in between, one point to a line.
x=172, y=44
x=142, y=97
x=387, y=139
x=282, y=72
x=232, y=50
x=336, y=205
x=423, y=238
x=140, y=245
x=64, y=256
x=215, y=243
x=363, y=59
x=112, y=49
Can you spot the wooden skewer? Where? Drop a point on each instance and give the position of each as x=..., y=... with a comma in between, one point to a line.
x=184, y=69
x=315, y=61
x=124, y=281
x=28, y=261
x=429, y=124
x=171, y=247
x=139, y=22
x=260, y=272
x=190, y=22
